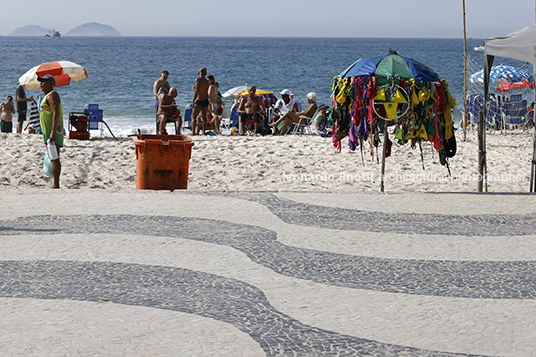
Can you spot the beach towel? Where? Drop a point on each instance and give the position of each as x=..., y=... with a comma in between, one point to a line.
x=34, y=116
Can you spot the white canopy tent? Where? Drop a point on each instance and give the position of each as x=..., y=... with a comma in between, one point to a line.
x=519, y=45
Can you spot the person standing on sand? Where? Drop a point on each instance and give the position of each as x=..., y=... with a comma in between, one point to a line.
x=161, y=83
x=250, y=107
x=212, y=93
x=22, y=106
x=51, y=119
x=200, y=102
x=7, y=109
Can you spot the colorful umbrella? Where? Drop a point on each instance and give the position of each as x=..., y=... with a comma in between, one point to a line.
x=257, y=92
x=505, y=87
x=376, y=91
x=242, y=90
x=388, y=67
x=62, y=71
x=502, y=73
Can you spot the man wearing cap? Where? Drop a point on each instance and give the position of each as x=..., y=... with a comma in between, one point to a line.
x=285, y=104
x=51, y=119
x=22, y=106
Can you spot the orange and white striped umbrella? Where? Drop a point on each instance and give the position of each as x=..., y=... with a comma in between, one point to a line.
x=62, y=71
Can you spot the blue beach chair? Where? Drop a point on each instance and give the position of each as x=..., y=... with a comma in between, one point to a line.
x=187, y=120
x=95, y=115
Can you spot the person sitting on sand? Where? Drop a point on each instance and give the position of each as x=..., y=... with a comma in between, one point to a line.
x=213, y=122
x=251, y=106
x=317, y=121
x=167, y=111
x=7, y=109
x=292, y=118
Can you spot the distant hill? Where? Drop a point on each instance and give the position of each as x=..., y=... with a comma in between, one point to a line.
x=30, y=30
x=93, y=29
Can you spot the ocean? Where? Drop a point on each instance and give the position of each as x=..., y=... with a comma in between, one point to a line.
x=122, y=70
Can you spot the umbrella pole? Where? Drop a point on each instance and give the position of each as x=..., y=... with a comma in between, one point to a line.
x=382, y=188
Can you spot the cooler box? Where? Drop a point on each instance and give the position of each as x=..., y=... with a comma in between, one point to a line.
x=162, y=161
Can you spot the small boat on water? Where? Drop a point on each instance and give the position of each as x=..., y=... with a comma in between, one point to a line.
x=480, y=48
x=54, y=34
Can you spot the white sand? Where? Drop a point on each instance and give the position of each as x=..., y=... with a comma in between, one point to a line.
x=290, y=163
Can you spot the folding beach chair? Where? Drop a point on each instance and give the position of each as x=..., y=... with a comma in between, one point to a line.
x=187, y=120
x=170, y=120
x=94, y=115
x=234, y=119
x=304, y=125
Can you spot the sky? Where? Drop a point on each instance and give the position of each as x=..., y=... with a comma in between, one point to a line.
x=278, y=18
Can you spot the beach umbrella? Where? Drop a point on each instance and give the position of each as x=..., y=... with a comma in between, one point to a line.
x=257, y=92
x=502, y=73
x=62, y=71
x=505, y=87
x=388, y=67
x=233, y=92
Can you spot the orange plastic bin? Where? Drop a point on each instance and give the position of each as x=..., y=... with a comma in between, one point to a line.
x=162, y=161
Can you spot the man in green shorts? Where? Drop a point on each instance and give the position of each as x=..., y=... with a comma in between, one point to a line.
x=51, y=119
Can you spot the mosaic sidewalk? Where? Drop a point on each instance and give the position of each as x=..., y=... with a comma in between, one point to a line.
x=275, y=274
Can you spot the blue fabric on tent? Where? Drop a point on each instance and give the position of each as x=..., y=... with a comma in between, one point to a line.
x=364, y=67
x=420, y=71
x=367, y=67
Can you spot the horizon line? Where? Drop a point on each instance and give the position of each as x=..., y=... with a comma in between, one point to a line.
x=240, y=36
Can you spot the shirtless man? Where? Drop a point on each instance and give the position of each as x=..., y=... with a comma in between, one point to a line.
x=163, y=83
x=200, y=102
x=250, y=107
x=166, y=109
x=7, y=109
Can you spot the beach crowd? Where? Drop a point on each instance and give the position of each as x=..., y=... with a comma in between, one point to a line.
x=252, y=109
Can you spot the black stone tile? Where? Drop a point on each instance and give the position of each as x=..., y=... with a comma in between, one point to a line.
x=467, y=279
x=207, y=295
x=309, y=215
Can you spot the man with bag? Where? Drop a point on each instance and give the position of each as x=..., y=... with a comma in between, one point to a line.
x=51, y=120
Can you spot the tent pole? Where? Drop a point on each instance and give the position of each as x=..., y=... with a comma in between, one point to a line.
x=482, y=167
x=533, y=162
x=382, y=188
x=464, y=117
